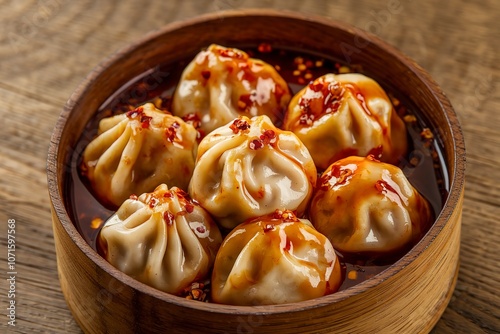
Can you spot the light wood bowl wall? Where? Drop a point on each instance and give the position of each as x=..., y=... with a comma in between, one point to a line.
x=409, y=297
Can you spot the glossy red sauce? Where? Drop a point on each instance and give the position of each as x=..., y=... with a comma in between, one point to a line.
x=424, y=165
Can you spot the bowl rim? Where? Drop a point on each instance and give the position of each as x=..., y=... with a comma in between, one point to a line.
x=457, y=177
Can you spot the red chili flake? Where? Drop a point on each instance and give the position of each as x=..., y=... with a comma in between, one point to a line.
x=171, y=132
x=245, y=101
x=379, y=186
x=256, y=144
x=323, y=182
x=168, y=217
x=298, y=60
x=333, y=97
x=201, y=229
x=197, y=291
x=335, y=88
x=344, y=174
x=152, y=202
x=284, y=215
x=305, y=105
x=268, y=227
x=189, y=207
x=136, y=112
x=427, y=134
x=414, y=161
x=133, y=197
x=340, y=174
x=382, y=187
x=84, y=168
x=232, y=53
x=145, y=121
x=181, y=193
x=205, y=74
x=264, y=48
x=239, y=125
x=226, y=52
x=193, y=119
x=96, y=223
x=410, y=119
x=277, y=214
x=376, y=152
x=268, y=137
x=306, y=119
x=287, y=215
x=327, y=98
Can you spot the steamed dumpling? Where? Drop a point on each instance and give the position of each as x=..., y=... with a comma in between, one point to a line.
x=337, y=116
x=366, y=206
x=221, y=84
x=162, y=239
x=273, y=260
x=249, y=168
x=135, y=152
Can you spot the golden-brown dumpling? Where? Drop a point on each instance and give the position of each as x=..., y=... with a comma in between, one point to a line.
x=136, y=151
x=337, y=116
x=162, y=239
x=366, y=206
x=221, y=84
x=274, y=259
x=249, y=168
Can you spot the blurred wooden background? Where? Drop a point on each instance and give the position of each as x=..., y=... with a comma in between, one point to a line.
x=48, y=46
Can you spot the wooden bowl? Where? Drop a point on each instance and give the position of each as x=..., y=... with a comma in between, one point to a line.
x=408, y=297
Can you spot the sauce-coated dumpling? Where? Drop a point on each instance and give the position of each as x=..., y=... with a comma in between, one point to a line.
x=337, y=116
x=162, y=239
x=222, y=83
x=366, y=206
x=249, y=168
x=274, y=259
x=136, y=151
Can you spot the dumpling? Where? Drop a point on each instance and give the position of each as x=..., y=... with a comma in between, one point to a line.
x=337, y=116
x=162, y=239
x=274, y=259
x=221, y=84
x=136, y=151
x=366, y=206
x=249, y=168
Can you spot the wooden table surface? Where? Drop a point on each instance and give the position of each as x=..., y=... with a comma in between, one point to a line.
x=47, y=47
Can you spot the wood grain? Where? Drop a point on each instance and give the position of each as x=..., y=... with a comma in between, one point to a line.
x=48, y=47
